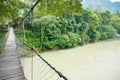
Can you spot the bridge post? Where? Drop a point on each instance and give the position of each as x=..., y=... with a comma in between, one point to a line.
x=32, y=51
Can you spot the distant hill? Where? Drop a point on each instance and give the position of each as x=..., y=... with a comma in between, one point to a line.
x=102, y=5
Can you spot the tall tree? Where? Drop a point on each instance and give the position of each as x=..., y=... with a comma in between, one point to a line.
x=59, y=7
x=105, y=17
x=115, y=21
x=9, y=9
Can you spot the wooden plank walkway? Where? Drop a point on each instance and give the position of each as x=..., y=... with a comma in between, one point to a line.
x=10, y=65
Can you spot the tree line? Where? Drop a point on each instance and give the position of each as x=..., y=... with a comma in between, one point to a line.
x=71, y=30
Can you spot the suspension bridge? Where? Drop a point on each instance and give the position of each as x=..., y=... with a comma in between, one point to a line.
x=12, y=67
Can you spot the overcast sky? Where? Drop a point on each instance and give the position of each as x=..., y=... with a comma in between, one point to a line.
x=115, y=0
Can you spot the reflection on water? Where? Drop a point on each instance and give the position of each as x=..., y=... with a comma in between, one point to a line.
x=99, y=61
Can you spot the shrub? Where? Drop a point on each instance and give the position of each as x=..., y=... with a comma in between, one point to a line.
x=93, y=34
x=103, y=36
x=110, y=31
x=64, y=41
x=49, y=44
x=75, y=39
x=84, y=38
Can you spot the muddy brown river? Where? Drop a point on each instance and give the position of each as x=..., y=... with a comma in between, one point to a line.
x=94, y=61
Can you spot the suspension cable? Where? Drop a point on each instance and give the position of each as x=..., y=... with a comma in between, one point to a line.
x=32, y=7
x=34, y=51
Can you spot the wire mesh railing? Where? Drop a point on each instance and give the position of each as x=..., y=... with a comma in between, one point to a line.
x=36, y=67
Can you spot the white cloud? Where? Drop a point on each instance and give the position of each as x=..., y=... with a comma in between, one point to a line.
x=115, y=0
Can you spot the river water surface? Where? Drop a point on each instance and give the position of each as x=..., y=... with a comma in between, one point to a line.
x=95, y=61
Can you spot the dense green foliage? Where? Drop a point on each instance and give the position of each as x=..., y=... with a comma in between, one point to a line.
x=59, y=7
x=2, y=38
x=69, y=31
x=115, y=21
x=10, y=11
x=10, y=8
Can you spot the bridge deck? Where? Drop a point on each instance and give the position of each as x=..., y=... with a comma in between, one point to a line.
x=10, y=66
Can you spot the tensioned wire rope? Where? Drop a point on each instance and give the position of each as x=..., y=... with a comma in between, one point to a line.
x=42, y=69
